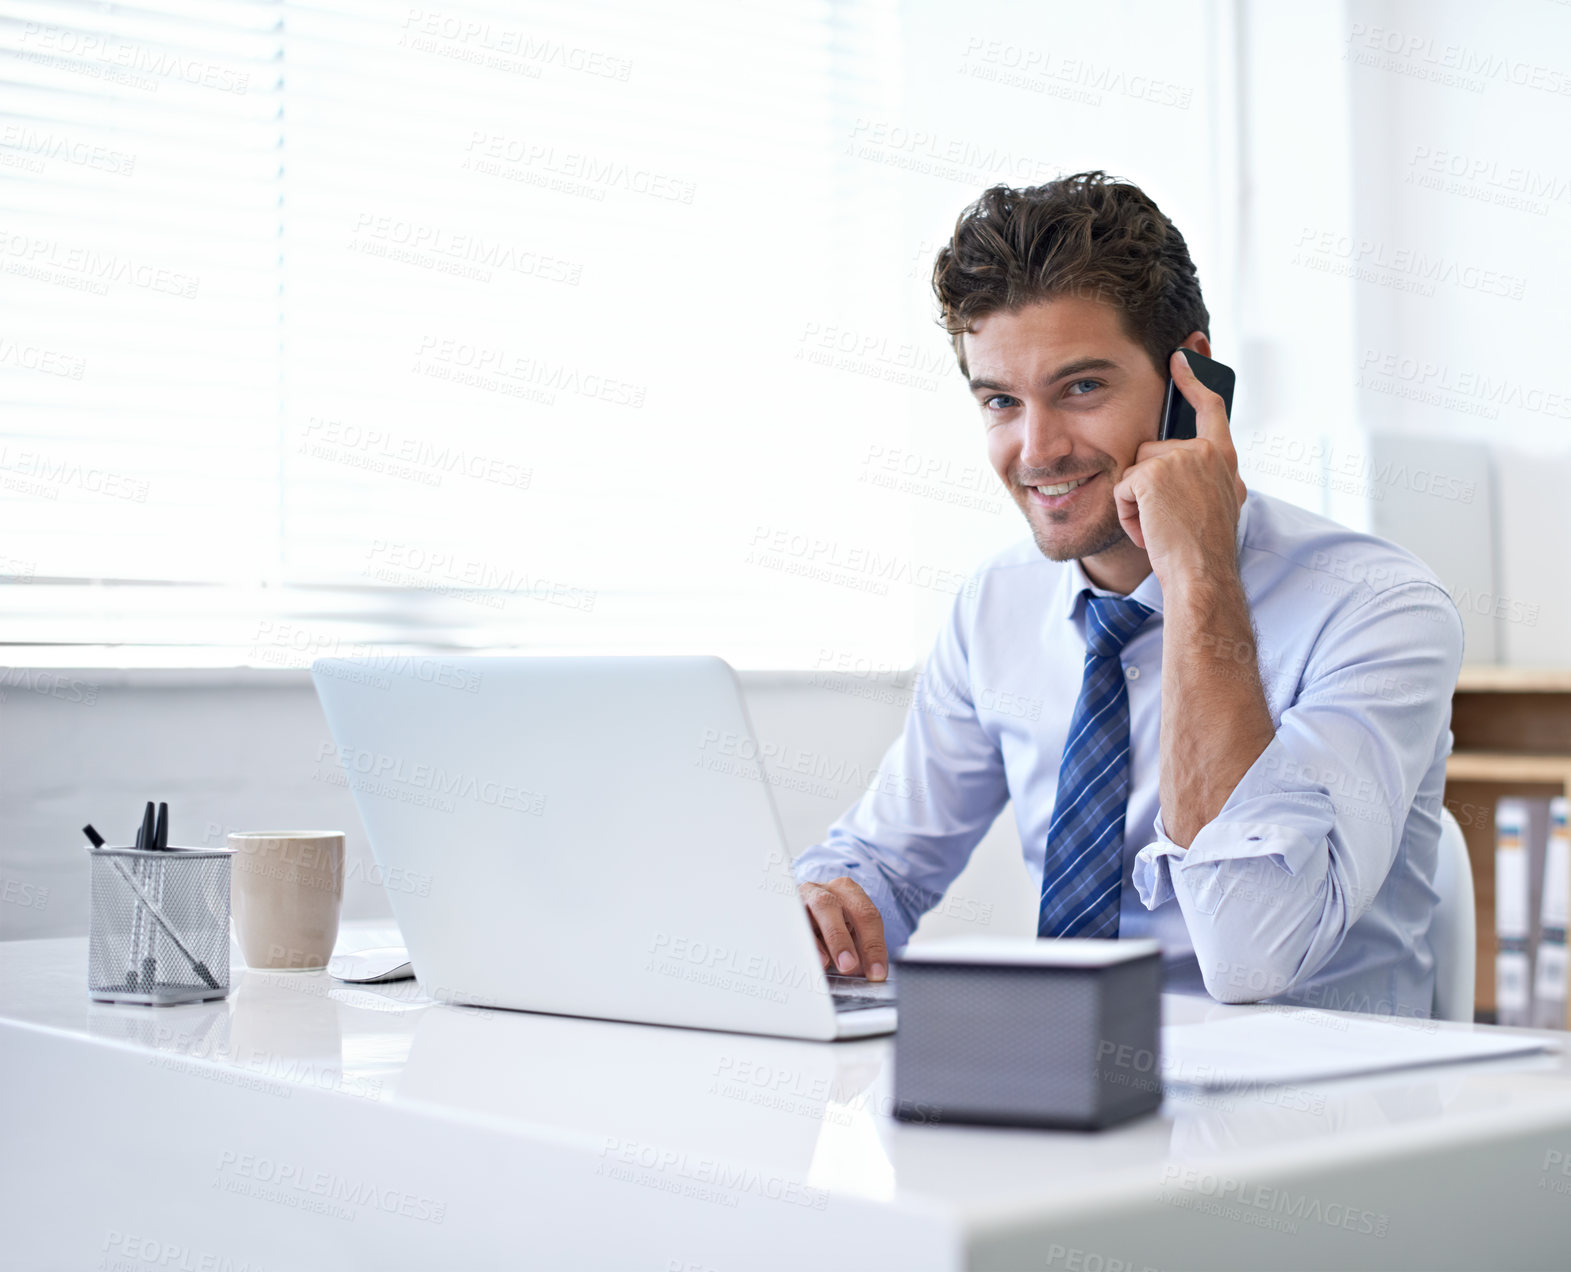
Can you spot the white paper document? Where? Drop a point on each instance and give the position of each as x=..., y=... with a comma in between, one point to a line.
x=1298, y=1045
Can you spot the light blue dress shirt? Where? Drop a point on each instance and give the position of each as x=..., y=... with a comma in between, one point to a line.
x=1314, y=883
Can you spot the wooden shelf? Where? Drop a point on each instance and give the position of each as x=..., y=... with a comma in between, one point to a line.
x=1490, y=678
x=1495, y=766
x=1511, y=735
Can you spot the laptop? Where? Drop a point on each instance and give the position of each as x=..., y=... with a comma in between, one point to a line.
x=585, y=837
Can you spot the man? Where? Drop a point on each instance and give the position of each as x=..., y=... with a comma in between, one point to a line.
x=1244, y=708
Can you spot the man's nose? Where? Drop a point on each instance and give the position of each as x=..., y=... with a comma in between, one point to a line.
x=1046, y=441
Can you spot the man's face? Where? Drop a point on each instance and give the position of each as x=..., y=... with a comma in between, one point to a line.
x=1067, y=398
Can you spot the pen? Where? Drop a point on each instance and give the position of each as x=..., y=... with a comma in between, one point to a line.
x=97, y=840
x=143, y=946
x=131, y=977
x=161, y=843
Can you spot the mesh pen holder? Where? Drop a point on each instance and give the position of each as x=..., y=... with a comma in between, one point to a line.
x=159, y=928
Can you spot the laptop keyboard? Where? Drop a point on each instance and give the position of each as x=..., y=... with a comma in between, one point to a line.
x=858, y=1002
x=853, y=993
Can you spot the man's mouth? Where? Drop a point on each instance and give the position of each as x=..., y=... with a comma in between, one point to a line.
x=1058, y=494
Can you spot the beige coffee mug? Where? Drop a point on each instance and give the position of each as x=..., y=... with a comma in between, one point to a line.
x=286, y=890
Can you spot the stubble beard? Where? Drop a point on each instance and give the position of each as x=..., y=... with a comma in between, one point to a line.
x=1102, y=534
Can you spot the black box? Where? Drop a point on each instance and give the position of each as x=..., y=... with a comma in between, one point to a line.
x=1022, y=1032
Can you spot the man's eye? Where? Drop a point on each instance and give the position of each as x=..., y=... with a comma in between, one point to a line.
x=997, y=397
x=1095, y=384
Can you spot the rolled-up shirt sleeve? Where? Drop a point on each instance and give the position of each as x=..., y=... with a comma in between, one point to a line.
x=938, y=789
x=1304, y=842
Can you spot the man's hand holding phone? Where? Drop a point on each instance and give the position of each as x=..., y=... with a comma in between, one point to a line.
x=1180, y=500
x=848, y=928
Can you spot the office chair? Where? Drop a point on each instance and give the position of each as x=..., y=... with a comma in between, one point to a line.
x=1453, y=930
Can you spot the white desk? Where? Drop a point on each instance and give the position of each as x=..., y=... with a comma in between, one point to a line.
x=302, y=1123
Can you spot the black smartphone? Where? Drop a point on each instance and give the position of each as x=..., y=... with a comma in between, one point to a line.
x=1178, y=417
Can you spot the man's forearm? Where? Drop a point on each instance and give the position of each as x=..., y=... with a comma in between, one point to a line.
x=1215, y=721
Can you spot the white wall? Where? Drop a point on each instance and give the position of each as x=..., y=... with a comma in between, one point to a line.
x=1406, y=233
x=243, y=750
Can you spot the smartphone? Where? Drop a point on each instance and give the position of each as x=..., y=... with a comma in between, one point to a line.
x=1178, y=417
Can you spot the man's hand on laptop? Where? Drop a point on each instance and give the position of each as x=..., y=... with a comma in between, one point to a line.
x=848, y=927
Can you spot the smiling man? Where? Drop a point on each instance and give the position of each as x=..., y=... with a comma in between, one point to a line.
x=1241, y=710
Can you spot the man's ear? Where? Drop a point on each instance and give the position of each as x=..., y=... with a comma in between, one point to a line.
x=1197, y=341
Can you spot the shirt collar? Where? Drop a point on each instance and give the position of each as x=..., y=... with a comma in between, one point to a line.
x=1075, y=583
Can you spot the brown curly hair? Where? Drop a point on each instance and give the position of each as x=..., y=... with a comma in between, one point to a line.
x=1087, y=235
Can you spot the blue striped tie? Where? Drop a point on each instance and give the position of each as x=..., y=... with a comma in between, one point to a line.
x=1084, y=869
